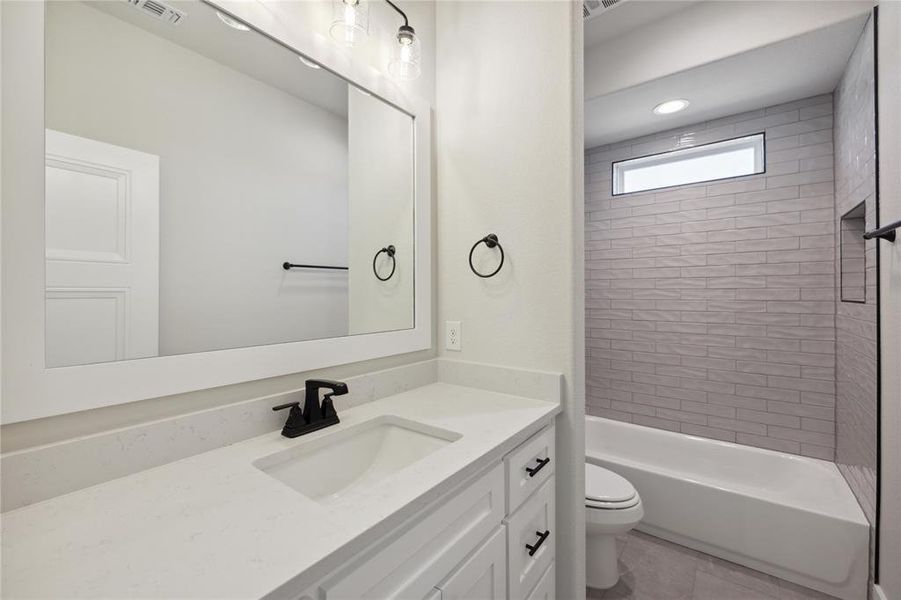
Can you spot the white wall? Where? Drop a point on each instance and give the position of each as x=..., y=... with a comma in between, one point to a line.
x=506, y=165
x=223, y=238
x=381, y=161
x=703, y=33
x=889, y=82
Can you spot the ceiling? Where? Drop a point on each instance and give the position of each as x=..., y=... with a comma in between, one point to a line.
x=245, y=51
x=798, y=67
x=629, y=15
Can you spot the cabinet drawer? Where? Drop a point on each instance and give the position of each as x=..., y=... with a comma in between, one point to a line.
x=530, y=465
x=483, y=575
x=546, y=589
x=530, y=541
x=411, y=565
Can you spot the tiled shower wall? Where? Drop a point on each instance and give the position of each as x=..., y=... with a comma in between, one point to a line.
x=855, y=324
x=710, y=307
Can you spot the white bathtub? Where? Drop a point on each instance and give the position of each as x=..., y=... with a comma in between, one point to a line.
x=786, y=515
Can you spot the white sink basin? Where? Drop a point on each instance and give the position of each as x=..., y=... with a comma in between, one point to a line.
x=356, y=459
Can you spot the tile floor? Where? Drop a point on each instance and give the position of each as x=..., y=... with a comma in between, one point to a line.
x=654, y=569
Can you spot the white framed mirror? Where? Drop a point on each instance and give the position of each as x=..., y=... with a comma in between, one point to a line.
x=193, y=203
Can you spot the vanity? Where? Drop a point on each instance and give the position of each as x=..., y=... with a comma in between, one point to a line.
x=443, y=491
x=227, y=201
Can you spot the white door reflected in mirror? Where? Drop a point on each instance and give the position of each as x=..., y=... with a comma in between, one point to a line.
x=102, y=236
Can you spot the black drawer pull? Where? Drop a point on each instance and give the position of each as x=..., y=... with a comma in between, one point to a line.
x=541, y=537
x=532, y=471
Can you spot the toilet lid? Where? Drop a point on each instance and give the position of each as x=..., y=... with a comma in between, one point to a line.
x=612, y=505
x=603, y=486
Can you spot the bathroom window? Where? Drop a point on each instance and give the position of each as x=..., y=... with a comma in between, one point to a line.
x=708, y=162
x=853, y=255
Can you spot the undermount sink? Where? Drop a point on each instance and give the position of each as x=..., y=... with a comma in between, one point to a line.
x=355, y=459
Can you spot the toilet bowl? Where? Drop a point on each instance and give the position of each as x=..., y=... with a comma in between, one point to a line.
x=612, y=507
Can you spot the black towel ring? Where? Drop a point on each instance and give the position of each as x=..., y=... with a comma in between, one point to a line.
x=390, y=251
x=489, y=240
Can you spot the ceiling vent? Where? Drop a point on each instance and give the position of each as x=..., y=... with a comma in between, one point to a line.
x=592, y=8
x=160, y=11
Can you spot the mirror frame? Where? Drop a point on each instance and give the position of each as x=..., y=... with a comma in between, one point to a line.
x=31, y=391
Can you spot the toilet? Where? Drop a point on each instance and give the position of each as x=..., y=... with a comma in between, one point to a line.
x=612, y=507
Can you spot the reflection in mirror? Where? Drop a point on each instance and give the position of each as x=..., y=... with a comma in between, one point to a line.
x=186, y=163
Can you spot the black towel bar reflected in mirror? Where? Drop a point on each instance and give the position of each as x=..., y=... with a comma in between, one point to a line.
x=490, y=241
x=288, y=266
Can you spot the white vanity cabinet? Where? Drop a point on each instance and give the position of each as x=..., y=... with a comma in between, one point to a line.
x=531, y=546
x=531, y=529
x=411, y=565
x=491, y=540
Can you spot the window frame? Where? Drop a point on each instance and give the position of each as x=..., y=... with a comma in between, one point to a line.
x=749, y=140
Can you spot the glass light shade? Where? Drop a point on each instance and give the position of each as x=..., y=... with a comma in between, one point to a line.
x=351, y=21
x=406, y=57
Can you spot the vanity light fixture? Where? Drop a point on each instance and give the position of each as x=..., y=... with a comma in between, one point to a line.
x=351, y=21
x=406, y=56
x=232, y=22
x=670, y=106
x=308, y=62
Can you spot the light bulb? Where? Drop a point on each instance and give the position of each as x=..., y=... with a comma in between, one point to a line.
x=350, y=15
x=405, y=57
x=351, y=21
x=670, y=106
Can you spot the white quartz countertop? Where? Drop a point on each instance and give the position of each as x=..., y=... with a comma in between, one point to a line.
x=215, y=526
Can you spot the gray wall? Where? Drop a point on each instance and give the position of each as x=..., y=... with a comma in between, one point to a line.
x=855, y=324
x=889, y=51
x=710, y=307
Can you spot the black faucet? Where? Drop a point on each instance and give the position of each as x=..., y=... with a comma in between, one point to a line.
x=314, y=415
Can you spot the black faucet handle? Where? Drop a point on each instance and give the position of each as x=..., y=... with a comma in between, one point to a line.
x=288, y=405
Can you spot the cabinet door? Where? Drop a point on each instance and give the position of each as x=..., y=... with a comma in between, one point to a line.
x=531, y=547
x=545, y=589
x=409, y=566
x=483, y=575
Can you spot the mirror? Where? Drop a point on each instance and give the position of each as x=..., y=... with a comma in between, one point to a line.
x=189, y=161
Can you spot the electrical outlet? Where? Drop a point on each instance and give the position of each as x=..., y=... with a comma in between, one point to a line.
x=453, y=336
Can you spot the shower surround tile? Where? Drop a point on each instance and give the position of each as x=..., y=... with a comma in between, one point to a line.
x=855, y=323
x=711, y=307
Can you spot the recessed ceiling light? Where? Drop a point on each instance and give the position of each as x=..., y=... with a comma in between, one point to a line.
x=232, y=22
x=670, y=106
x=308, y=62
